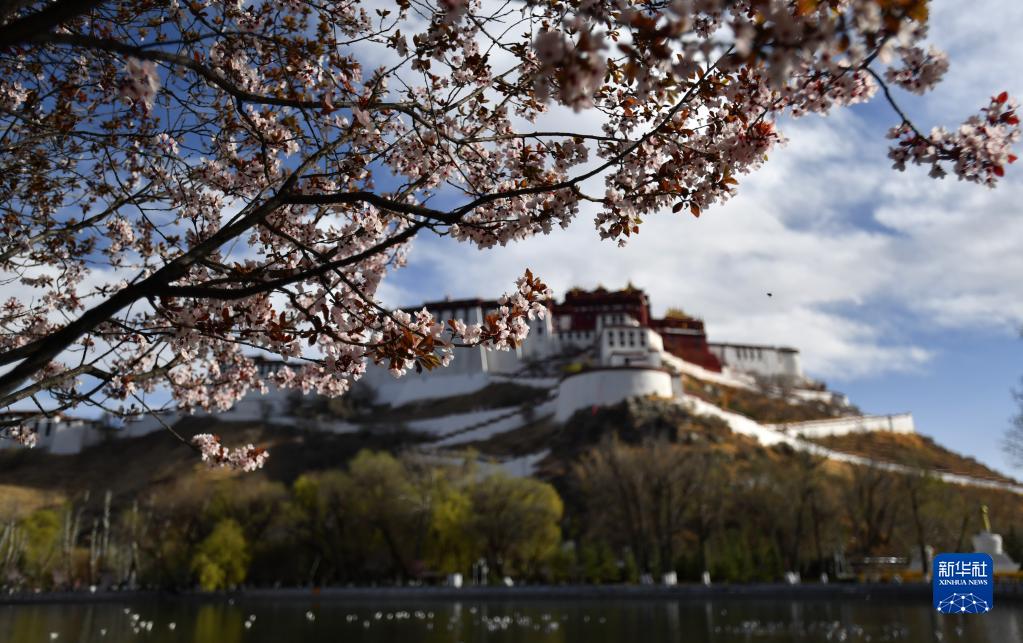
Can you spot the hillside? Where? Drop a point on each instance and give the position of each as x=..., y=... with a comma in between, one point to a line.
x=132, y=466
x=911, y=449
x=763, y=406
x=129, y=467
x=632, y=421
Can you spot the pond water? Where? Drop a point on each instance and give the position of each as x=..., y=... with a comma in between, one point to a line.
x=498, y=621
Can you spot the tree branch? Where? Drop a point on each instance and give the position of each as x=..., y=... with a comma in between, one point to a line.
x=142, y=53
x=30, y=27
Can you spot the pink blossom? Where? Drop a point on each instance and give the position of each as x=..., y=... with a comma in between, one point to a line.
x=979, y=151
x=23, y=435
x=12, y=95
x=141, y=81
x=120, y=234
x=920, y=70
x=246, y=458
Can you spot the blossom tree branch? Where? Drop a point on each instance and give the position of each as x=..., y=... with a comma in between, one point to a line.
x=186, y=185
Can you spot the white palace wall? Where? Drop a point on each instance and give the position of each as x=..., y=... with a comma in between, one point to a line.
x=900, y=423
x=606, y=386
x=413, y=386
x=771, y=361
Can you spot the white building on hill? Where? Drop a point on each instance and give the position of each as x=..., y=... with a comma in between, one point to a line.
x=595, y=348
x=767, y=361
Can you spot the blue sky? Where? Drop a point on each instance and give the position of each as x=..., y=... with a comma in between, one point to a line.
x=961, y=397
x=902, y=291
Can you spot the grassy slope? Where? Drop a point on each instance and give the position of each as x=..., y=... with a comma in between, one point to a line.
x=493, y=396
x=630, y=421
x=763, y=408
x=910, y=449
x=30, y=479
x=130, y=466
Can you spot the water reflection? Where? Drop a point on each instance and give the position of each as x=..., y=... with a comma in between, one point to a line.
x=555, y=621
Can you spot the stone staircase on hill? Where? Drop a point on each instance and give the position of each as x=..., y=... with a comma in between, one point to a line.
x=538, y=412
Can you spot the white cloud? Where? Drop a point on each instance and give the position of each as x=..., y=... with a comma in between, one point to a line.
x=982, y=38
x=722, y=266
x=825, y=227
x=861, y=261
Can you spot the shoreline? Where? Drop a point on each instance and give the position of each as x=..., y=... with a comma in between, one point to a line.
x=530, y=593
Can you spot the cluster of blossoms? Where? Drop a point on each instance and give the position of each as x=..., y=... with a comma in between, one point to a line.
x=120, y=234
x=246, y=458
x=248, y=213
x=234, y=62
x=12, y=95
x=417, y=340
x=920, y=70
x=140, y=82
x=21, y=434
x=576, y=68
x=978, y=151
x=507, y=328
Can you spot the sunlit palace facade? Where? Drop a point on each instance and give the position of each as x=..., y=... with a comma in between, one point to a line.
x=618, y=329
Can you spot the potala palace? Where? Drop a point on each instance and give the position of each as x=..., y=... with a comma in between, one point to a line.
x=602, y=347
x=595, y=348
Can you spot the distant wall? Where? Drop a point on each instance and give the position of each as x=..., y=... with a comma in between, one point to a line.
x=541, y=340
x=763, y=360
x=574, y=339
x=414, y=386
x=606, y=386
x=727, y=376
x=900, y=423
x=146, y=424
x=70, y=438
x=60, y=436
x=829, y=397
x=508, y=361
x=256, y=406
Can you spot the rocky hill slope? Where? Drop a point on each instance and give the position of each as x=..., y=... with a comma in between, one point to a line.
x=502, y=425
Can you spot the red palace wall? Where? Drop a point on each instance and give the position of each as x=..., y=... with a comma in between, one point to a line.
x=687, y=339
x=683, y=337
x=585, y=306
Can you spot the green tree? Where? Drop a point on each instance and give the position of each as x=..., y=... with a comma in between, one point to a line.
x=165, y=530
x=1013, y=441
x=1014, y=544
x=599, y=563
x=41, y=534
x=222, y=559
x=873, y=506
x=262, y=509
x=451, y=546
x=927, y=500
x=326, y=527
x=630, y=570
x=517, y=521
x=392, y=506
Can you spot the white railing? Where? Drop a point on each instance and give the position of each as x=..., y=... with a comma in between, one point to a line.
x=896, y=423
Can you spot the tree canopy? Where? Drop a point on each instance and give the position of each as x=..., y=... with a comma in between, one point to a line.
x=185, y=184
